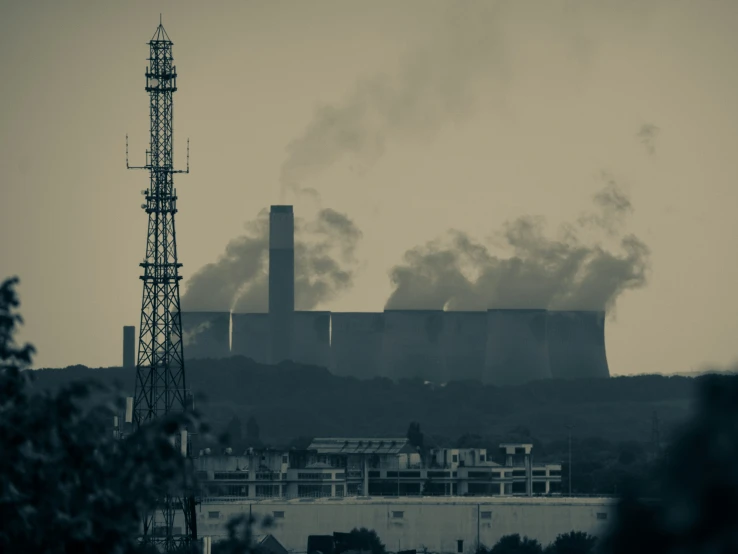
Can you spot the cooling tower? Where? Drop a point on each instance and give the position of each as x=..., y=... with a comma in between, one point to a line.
x=412, y=346
x=576, y=344
x=356, y=343
x=516, y=350
x=464, y=338
x=206, y=334
x=281, y=281
x=250, y=337
x=129, y=347
x=311, y=341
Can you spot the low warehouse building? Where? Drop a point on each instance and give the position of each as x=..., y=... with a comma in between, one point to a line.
x=435, y=524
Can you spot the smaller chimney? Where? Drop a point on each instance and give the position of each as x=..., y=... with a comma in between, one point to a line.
x=129, y=347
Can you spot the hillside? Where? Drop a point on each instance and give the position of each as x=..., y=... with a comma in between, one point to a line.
x=291, y=401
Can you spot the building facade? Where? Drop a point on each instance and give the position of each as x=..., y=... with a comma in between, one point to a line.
x=342, y=467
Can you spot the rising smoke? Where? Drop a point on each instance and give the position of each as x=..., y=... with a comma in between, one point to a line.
x=325, y=264
x=459, y=273
x=434, y=85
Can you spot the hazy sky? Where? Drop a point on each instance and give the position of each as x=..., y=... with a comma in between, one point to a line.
x=486, y=113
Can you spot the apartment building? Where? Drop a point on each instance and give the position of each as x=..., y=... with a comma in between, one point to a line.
x=348, y=467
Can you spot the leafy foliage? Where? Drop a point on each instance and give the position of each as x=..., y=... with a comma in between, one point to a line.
x=514, y=544
x=366, y=540
x=575, y=542
x=240, y=535
x=67, y=484
x=63, y=471
x=697, y=486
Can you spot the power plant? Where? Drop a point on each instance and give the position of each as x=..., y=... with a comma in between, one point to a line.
x=497, y=347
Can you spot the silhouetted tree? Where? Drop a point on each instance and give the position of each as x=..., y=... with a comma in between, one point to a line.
x=513, y=544
x=575, y=542
x=366, y=539
x=241, y=539
x=696, y=486
x=66, y=483
x=415, y=435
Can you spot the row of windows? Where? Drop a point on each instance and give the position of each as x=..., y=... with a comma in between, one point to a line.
x=231, y=475
x=319, y=476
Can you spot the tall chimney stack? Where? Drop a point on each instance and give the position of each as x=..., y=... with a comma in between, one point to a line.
x=129, y=346
x=281, y=281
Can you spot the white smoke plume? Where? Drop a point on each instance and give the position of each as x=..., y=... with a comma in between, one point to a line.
x=459, y=273
x=189, y=336
x=325, y=265
x=433, y=86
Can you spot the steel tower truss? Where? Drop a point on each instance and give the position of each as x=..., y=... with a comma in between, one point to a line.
x=160, y=374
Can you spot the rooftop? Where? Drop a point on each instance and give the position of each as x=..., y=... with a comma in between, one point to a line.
x=361, y=446
x=430, y=500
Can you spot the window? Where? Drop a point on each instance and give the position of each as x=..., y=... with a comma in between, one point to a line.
x=216, y=515
x=313, y=491
x=539, y=472
x=410, y=474
x=398, y=515
x=238, y=490
x=554, y=472
x=339, y=490
x=455, y=458
x=373, y=474
x=601, y=515
x=518, y=473
x=231, y=476
x=479, y=475
x=432, y=474
x=485, y=515
x=278, y=515
x=481, y=457
x=313, y=476
x=340, y=475
x=267, y=491
x=285, y=459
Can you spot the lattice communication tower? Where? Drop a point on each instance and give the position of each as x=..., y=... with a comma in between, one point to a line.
x=160, y=374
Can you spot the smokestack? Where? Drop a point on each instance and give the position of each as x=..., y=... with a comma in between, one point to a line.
x=516, y=347
x=576, y=344
x=129, y=347
x=281, y=281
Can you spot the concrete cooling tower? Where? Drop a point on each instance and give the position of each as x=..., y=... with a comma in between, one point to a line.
x=206, y=334
x=516, y=350
x=311, y=340
x=463, y=345
x=576, y=344
x=412, y=345
x=356, y=344
x=281, y=281
x=250, y=337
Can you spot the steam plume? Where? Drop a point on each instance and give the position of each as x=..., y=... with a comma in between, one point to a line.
x=459, y=273
x=325, y=264
x=433, y=86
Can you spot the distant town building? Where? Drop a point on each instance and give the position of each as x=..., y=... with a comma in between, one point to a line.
x=355, y=467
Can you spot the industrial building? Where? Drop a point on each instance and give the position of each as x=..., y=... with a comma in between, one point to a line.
x=432, y=524
x=341, y=467
x=338, y=484
x=496, y=347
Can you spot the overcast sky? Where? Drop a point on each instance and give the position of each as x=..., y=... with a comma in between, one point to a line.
x=523, y=106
